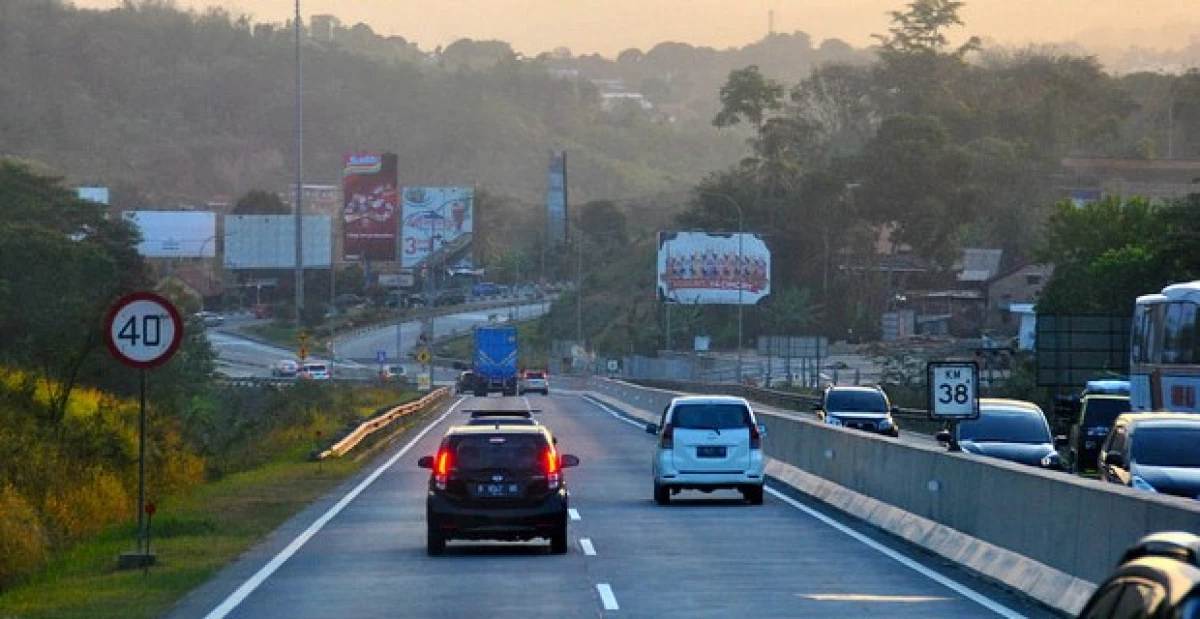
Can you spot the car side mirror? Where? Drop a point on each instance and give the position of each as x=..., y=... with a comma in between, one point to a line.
x=567, y=461
x=943, y=436
x=762, y=430
x=895, y=410
x=652, y=428
x=1114, y=458
x=425, y=462
x=1060, y=441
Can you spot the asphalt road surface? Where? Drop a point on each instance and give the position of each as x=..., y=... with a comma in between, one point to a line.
x=361, y=551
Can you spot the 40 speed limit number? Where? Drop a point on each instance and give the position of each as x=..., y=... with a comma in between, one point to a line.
x=144, y=330
x=953, y=390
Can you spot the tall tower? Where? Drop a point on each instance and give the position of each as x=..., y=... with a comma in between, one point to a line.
x=770, y=22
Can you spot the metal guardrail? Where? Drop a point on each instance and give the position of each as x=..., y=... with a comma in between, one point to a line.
x=259, y=381
x=370, y=426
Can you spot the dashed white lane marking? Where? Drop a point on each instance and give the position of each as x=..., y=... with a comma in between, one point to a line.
x=275, y=563
x=574, y=513
x=962, y=590
x=588, y=548
x=607, y=597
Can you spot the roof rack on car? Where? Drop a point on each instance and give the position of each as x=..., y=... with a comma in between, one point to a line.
x=503, y=413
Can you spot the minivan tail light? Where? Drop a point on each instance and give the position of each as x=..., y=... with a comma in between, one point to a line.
x=668, y=437
x=553, y=472
x=441, y=469
x=755, y=437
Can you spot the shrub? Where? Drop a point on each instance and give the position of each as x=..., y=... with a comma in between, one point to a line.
x=22, y=538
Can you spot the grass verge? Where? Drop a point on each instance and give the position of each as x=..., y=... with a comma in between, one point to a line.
x=193, y=536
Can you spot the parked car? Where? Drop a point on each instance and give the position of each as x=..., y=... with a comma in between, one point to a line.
x=533, y=380
x=1013, y=430
x=1155, y=452
x=499, y=482
x=314, y=370
x=285, y=368
x=1157, y=578
x=1097, y=412
x=862, y=408
x=708, y=443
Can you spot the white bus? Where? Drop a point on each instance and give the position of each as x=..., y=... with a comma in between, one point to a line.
x=1164, y=351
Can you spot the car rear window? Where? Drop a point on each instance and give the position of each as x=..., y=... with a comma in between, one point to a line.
x=710, y=416
x=856, y=402
x=536, y=375
x=1103, y=411
x=1167, y=446
x=499, y=451
x=314, y=367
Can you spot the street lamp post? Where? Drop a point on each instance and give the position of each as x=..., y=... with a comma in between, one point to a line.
x=299, y=177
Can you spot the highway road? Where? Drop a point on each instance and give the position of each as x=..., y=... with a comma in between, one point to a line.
x=240, y=357
x=360, y=552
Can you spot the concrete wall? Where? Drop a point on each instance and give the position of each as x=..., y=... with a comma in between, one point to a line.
x=1075, y=525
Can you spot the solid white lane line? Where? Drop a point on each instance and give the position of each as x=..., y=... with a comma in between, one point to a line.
x=960, y=589
x=574, y=513
x=588, y=548
x=614, y=413
x=275, y=563
x=606, y=597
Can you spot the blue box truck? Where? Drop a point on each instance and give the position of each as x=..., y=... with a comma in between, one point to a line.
x=494, y=359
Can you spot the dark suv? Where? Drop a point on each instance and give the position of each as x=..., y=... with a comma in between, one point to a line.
x=862, y=408
x=1097, y=412
x=1158, y=578
x=502, y=482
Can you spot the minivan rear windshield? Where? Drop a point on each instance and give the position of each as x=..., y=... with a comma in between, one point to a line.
x=710, y=416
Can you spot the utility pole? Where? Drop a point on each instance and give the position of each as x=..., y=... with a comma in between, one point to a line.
x=299, y=178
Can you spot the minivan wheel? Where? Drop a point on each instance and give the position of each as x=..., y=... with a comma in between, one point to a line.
x=558, y=540
x=662, y=494
x=753, y=494
x=435, y=542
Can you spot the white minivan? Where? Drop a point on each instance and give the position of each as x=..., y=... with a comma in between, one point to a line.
x=708, y=443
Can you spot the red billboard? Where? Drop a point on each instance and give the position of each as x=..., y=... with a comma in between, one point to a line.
x=370, y=207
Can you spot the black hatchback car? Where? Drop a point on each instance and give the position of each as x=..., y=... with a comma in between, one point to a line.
x=1157, y=578
x=501, y=482
x=1097, y=412
x=1013, y=430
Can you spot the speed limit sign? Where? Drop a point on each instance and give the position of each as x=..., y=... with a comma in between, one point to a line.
x=953, y=390
x=143, y=330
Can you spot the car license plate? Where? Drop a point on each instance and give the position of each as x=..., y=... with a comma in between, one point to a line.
x=497, y=490
x=710, y=451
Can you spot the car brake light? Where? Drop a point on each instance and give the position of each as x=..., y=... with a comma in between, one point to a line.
x=553, y=474
x=755, y=437
x=441, y=469
x=668, y=437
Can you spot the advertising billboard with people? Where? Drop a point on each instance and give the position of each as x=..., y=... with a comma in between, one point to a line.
x=713, y=269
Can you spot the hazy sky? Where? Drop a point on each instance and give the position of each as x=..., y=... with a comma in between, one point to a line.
x=609, y=26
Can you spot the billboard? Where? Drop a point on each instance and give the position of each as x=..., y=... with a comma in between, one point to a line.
x=556, y=198
x=95, y=194
x=318, y=199
x=269, y=241
x=175, y=234
x=370, y=206
x=704, y=268
x=435, y=217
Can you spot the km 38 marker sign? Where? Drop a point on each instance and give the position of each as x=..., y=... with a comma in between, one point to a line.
x=953, y=390
x=144, y=330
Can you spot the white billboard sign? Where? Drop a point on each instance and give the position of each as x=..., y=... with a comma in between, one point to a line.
x=269, y=241
x=713, y=269
x=175, y=234
x=433, y=217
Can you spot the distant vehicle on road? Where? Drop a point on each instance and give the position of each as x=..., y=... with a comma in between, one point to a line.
x=533, y=380
x=314, y=370
x=1097, y=412
x=1013, y=430
x=494, y=360
x=392, y=372
x=211, y=319
x=861, y=408
x=285, y=368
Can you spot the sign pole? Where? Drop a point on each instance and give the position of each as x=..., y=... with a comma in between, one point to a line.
x=141, y=460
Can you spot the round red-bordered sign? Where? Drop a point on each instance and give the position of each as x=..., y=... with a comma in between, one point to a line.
x=143, y=330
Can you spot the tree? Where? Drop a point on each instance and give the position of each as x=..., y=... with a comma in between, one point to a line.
x=919, y=30
x=748, y=95
x=260, y=202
